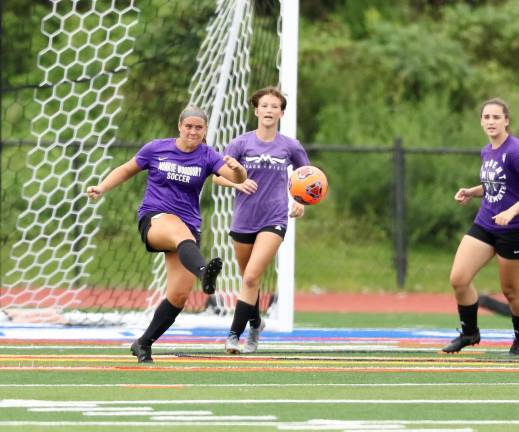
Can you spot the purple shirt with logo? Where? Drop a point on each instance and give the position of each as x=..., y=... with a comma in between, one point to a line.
x=500, y=179
x=266, y=163
x=176, y=178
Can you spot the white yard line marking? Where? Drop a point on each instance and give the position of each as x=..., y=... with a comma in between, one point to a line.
x=375, y=425
x=92, y=409
x=436, y=384
x=10, y=403
x=213, y=418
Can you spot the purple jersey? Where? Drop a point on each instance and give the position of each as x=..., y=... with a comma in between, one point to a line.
x=175, y=178
x=500, y=179
x=266, y=163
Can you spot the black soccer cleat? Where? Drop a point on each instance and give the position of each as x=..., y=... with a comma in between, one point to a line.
x=463, y=340
x=209, y=275
x=514, y=349
x=142, y=352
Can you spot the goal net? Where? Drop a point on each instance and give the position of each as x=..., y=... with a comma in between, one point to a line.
x=99, y=79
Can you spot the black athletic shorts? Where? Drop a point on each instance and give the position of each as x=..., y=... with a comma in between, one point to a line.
x=506, y=243
x=250, y=238
x=144, y=227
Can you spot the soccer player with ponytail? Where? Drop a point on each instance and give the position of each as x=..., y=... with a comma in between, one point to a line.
x=169, y=215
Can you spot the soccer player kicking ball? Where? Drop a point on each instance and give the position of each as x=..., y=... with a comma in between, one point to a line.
x=169, y=215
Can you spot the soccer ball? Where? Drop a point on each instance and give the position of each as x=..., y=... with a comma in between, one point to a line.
x=308, y=185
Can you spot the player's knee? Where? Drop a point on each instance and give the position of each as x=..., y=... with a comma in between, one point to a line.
x=511, y=292
x=459, y=281
x=250, y=281
x=178, y=299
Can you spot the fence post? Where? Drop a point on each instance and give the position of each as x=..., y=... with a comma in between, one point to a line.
x=399, y=232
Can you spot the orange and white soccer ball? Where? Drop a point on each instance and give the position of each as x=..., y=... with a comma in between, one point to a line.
x=308, y=185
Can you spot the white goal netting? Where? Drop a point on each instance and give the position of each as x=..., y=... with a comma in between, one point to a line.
x=114, y=75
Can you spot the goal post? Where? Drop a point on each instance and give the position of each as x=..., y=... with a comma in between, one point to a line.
x=288, y=80
x=102, y=69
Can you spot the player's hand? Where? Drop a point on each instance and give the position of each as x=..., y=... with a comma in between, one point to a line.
x=94, y=192
x=463, y=196
x=231, y=162
x=248, y=187
x=298, y=210
x=504, y=217
x=240, y=173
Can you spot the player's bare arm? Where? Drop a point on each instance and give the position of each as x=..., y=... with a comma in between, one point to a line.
x=464, y=195
x=506, y=216
x=233, y=170
x=116, y=177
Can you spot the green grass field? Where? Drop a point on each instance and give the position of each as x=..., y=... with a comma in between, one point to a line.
x=302, y=385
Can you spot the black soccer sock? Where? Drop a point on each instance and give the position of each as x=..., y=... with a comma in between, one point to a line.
x=190, y=256
x=515, y=322
x=255, y=320
x=469, y=318
x=242, y=314
x=164, y=316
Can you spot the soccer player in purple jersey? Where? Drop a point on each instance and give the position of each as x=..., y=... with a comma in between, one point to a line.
x=495, y=230
x=169, y=215
x=261, y=208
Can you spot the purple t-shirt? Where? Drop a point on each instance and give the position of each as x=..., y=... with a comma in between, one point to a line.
x=500, y=179
x=176, y=178
x=266, y=163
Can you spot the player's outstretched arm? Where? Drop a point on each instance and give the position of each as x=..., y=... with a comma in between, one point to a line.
x=115, y=178
x=233, y=171
x=248, y=187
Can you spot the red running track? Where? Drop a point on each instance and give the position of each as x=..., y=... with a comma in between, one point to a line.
x=383, y=302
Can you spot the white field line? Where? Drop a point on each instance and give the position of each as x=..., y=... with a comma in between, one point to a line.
x=352, y=426
x=17, y=403
x=92, y=409
x=145, y=424
x=232, y=418
x=360, y=426
x=363, y=428
x=435, y=384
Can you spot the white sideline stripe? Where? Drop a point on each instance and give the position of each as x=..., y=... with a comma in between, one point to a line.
x=96, y=409
x=146, y=424
x=381, y=426
x=213, y=418
x=374, y=428
x=10, y=403
x=487, y=384
x=363, y=428
x=115, y=411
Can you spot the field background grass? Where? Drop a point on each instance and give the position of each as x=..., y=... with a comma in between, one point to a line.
x=286, y=389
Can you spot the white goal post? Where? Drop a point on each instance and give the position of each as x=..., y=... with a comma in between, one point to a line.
x=84, y=67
